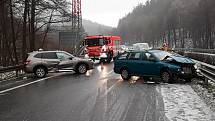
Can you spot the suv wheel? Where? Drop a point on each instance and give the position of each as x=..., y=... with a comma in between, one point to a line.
x=40, y=72
x=82, y=68
x=165, y=76
x=125, y=75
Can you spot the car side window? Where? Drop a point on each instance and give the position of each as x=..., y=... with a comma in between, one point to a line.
x=62, y=56
x=134, y=56
x=123, y=56
x=49, y=55
x=149, y=57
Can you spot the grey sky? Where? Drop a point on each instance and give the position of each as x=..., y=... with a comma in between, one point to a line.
x=107, y=12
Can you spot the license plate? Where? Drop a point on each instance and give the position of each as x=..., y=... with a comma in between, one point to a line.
x=187, y=70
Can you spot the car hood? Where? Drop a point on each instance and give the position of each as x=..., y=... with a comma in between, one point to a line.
x=182, y=59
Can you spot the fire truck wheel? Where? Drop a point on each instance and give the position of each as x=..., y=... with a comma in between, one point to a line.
x=102, y=61
x=109, y=58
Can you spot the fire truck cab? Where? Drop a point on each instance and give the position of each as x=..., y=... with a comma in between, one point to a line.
x=102, y=48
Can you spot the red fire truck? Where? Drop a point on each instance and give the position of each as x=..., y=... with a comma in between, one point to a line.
x=102, y=48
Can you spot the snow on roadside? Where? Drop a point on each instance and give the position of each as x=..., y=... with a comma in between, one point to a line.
x=181, y=103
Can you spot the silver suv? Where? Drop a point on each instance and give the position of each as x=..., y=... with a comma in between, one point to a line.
x=41, y=62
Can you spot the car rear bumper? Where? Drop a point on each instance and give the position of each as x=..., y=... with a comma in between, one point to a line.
x=28, y=69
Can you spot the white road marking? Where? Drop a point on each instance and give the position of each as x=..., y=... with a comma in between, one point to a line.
x=147, y=108
x=3, y=94
x=113, y=86
x=20, y=86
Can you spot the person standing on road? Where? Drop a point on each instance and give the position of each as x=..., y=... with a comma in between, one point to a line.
x=165, y=46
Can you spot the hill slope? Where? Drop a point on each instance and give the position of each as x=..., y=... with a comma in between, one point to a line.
x=93, y=28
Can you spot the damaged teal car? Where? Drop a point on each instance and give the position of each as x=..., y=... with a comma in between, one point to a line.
x=169, y=67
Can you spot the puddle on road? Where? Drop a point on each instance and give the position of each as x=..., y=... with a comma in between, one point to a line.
x=89, y=73
x=136, y=79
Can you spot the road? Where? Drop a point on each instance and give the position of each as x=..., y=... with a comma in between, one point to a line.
x=99, y=95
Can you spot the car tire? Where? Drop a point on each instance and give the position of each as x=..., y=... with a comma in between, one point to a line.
x=125, y=74
x=81, y=69
x=166, y=77
x=40, y=72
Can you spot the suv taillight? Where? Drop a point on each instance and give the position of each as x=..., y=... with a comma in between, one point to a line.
x=27, y=62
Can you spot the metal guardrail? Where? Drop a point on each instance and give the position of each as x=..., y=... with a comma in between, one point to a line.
x=212, y=51
x=11, y=68
x=206, y=57
x=7, y=73
x=207, y=70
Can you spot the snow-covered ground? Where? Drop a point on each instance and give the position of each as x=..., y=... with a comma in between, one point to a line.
x=181, y=103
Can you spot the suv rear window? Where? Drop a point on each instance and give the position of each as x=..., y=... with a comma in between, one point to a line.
x=39, y=55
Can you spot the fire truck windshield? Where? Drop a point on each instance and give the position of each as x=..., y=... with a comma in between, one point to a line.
x=94, y=42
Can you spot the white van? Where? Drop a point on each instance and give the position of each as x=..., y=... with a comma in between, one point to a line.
x=141, y=46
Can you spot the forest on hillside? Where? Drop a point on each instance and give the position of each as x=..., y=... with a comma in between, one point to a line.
x=182, y=23
x=24, y=25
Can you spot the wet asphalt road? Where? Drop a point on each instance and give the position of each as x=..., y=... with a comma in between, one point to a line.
x=100, y=95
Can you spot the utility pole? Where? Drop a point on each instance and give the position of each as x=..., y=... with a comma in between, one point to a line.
x=76, y=21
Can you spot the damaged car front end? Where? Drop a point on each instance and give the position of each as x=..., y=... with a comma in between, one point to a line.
x=184, y=68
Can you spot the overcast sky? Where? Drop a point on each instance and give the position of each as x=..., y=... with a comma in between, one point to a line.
x=107, y=12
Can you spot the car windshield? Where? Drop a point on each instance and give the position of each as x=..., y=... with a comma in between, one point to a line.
x=94, y=42
x=63, y=56
x=161, y=55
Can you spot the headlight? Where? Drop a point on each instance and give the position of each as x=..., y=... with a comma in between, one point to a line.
x=86, y=56
x=196, y=66
x=180, y=71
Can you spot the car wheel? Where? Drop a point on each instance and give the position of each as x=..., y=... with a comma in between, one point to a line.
x=82, y=68
x=125, y=74
x=165, y=76
x=40, y=72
